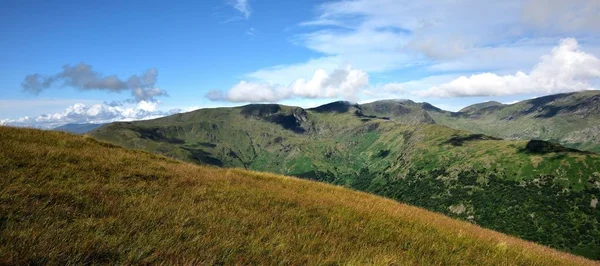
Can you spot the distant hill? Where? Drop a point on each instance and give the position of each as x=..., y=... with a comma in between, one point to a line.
x=77, y=128
x=571, y=119
x=395, y=149
x=480, y=106
x=68, y=199
x=405, y=111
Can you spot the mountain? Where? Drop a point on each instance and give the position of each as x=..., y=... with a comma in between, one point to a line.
x=479, y=106
x=536, y=190
x=77, y=128
x=68, y=199
x=405, y=111
x=571, y=119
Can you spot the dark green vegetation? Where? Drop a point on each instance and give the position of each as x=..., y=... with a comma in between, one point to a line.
x=77, y=128
x=571, y=119
x=71, y=200
x=535, y=190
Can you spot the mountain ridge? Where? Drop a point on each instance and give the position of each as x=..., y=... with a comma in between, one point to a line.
x=570, y=119
x=456, y=172
x=478, y=106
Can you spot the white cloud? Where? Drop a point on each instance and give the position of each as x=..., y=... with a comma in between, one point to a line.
x=439, y=48
x=242, y=6
x=333, y=42
x=253, y=92
x=92, y=113
x=562, y=16
x=147, y=106
x=436, y=35
x=368, y=62
x=285, y=74
x=405, y=89
x=406, y=31
x=346, y=83
x=567, y=68
x=495, y=58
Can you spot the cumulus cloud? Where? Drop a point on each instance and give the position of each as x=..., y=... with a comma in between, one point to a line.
x=567, y=68
x=246, y=91
x=82, y=77
x=80, y=113
x=344, y=83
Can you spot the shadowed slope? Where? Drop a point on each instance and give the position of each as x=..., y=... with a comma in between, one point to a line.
x=77, y=128
x=72, y=200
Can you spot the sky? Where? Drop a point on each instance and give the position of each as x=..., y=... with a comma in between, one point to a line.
x=101, y=61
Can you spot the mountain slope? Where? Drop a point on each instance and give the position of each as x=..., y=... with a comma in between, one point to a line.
x=71, y=200
x=479, y=106
x=77, y=128
x=518, y=187
x=405, y=111
x=571, y=119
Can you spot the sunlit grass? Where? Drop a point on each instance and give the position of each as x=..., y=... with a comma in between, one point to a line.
x=72, y=200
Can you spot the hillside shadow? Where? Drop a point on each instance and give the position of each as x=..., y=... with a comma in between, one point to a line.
x=544, y=147
x=155, y=135
x=204, y=157
x=260, y=110
x=272, y=113
x=288, y=122
x=460, y=140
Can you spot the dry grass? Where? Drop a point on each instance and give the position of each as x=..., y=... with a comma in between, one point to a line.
x=72, y=200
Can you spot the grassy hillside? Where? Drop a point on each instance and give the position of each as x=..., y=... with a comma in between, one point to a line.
x=67, y=199
x=531, y=189
x=571, y=119
x=77, y=128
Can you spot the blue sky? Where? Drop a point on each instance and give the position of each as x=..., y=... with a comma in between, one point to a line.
x=98, y=61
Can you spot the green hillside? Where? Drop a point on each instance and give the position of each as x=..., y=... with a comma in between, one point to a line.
x=571, y=119
x=77, y=128
x=535, y=190
x=67, y=199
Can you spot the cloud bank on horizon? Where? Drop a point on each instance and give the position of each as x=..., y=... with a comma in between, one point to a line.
x=80, y=113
